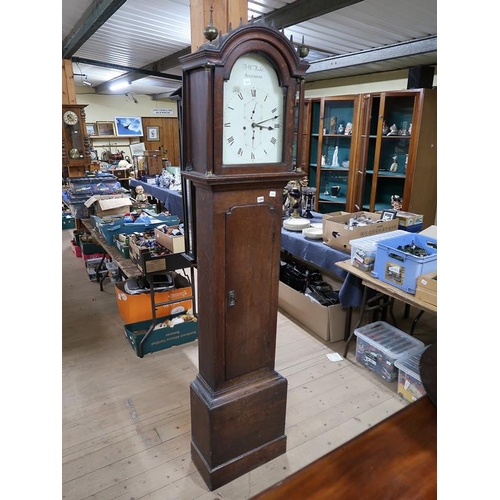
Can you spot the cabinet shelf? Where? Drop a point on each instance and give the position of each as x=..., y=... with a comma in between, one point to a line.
x=325, y=198
x=392, y=137
x=338, y=135
x=384, y=173
x=340, y=169
x=107, y=137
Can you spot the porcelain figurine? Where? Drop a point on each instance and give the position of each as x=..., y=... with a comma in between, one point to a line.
x=393, y=130
x=396, y=202
x=335, y=159
x=394, y=165
x=140, y=195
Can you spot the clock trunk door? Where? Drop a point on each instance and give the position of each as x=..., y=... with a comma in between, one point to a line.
x=251, y=289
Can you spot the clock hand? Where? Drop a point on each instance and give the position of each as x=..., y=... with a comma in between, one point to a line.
x=262, y=121
x=262, y=127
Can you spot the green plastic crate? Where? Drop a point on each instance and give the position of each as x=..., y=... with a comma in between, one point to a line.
x=68, y=222
x=160, y=338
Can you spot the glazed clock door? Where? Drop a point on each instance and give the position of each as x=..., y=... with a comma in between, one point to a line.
x=250, y=321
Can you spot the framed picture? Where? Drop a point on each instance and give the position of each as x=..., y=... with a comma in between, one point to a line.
x=388, y=215
x=91, y=128
x=153, y=133
x=128, y=125
x=105, y=128
x=137, y=149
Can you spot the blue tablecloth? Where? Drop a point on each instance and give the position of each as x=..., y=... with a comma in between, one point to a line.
x=172, y=200
x=323, y=256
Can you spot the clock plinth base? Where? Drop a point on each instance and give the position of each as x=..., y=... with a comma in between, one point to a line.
x=239, y=429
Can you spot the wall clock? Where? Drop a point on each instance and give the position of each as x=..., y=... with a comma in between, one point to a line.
x=235, y=164
x=70, y=117
x=75, y=142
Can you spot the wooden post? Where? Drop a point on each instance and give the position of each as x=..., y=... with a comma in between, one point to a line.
x=225, y=12
x=68, y=83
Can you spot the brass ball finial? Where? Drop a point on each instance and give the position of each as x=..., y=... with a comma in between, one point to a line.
x=303, y=49
x=211, y=32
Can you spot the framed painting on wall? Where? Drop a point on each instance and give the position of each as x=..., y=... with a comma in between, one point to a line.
x=105, y=128
x=91, y=128
x=153, y=133
x=129, y=125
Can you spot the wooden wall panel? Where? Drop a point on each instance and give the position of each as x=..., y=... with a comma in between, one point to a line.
x=169, y=137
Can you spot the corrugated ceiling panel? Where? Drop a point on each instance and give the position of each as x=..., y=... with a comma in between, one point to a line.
x=142, y=32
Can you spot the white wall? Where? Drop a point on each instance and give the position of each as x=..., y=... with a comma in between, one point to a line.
x=376, y=82
x=106, y=107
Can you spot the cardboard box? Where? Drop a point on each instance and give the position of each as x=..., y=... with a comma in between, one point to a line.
x=408, y=219
x=105, y=205
x=135, y=308
x=174, y=244
x=337, y=233
x=327, y=322
x=427, y=288
x=161, y=337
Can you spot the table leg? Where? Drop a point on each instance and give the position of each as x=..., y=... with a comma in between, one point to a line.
x=415, y=321
x=360, y=319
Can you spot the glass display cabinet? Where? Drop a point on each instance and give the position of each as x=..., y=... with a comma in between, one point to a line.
x=334, y=128
x=397, y=153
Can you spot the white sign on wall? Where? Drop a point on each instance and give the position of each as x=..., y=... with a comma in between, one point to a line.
x=163, y=111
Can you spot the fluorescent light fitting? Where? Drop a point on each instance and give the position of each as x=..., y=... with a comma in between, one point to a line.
x=118, y=86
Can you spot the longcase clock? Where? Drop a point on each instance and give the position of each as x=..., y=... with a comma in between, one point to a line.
x=239, y=94
x=75, y=142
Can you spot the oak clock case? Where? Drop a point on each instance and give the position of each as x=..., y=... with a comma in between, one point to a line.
x=235, y=166
x=75, y=152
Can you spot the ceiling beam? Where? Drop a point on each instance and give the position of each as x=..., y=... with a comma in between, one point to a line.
x=94, y=17
x=303, y=10
x=395, y=51
x=157, y=67
x=140, y=71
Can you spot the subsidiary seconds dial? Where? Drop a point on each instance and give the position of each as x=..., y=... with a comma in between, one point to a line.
x=253, y=113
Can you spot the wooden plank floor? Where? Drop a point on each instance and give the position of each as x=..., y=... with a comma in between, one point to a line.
x=126, y=420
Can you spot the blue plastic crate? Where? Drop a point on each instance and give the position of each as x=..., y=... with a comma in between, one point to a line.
x=402, y=269
x=412, y=229
x=109, y=230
